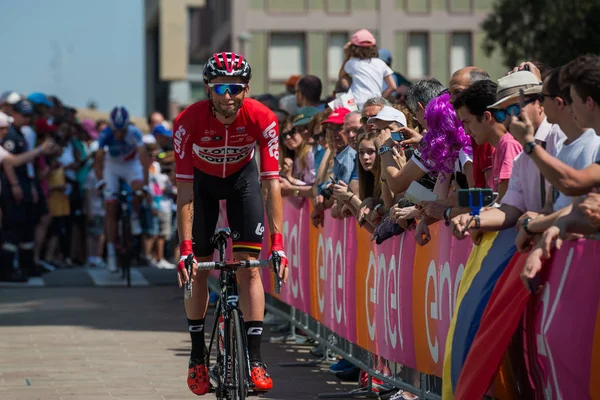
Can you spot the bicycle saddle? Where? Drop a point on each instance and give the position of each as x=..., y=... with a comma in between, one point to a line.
x=221, y=234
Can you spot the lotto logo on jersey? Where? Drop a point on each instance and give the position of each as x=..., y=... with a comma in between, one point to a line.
x=271, y=133
x=179, y=141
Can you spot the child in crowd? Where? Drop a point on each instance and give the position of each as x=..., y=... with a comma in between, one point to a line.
x=60, y=209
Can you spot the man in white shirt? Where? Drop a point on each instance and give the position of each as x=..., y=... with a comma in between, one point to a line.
x=579, y=149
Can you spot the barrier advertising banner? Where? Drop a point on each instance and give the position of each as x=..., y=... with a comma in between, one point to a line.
x=398, y=300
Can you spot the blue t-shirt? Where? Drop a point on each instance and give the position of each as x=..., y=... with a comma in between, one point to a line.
x=121, y=150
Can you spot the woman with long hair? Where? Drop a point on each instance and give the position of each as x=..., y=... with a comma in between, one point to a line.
x=370, y=185
x=297, y=173
x=446, y=151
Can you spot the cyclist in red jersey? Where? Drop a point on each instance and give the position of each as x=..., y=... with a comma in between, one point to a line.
x=214, y=143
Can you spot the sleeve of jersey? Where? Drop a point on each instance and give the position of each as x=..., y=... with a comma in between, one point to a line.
x=137, y=137
x=103, y=138
x=182, y=144
x=268, y=142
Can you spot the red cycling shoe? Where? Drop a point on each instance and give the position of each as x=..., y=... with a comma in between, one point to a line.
x=260, y=377
x=197, y=378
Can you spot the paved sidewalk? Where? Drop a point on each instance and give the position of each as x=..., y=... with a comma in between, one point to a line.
x=105, y=343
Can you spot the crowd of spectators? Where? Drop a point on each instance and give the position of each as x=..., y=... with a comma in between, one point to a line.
x=53, y=215
x=538, y=151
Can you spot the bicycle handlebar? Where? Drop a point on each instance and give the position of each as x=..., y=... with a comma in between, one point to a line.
x=189, y=261
x=232, y=264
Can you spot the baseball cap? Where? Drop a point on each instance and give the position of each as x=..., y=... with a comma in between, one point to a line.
x=5, y=120
x=390, y=114
x=90, y=127
x=148, y=139
x=385, y=55
x=336, y=117
x=292, y=80
x=23, y=107
x=509, y=85
x=305, y=114
x=162, y=130
x=363, y=38
x=39, y=98
x=10, y=97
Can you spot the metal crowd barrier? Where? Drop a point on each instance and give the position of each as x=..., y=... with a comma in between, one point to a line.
x=429, y=387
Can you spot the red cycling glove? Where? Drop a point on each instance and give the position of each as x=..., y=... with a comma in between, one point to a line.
x=185, y=249
x=277, y=245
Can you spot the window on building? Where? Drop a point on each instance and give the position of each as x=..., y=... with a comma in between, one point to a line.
x=460, y=51
x=286, y=55
x=418, y=55
x=197, y=91
x=335, y=53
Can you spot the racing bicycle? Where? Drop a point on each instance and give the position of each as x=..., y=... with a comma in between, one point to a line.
x=125, y=243
x=230, y=375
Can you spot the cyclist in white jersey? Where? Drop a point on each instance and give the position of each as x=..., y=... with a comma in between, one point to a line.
x=121, y=155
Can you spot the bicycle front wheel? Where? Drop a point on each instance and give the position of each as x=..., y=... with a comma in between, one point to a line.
x=237, y=371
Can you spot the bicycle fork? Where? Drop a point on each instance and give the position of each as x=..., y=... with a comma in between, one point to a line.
x=231, y=297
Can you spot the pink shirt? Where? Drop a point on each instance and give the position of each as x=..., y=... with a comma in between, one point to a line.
x=502, y=161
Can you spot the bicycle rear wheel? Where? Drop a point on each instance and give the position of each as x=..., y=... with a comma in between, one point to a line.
x=237, y=373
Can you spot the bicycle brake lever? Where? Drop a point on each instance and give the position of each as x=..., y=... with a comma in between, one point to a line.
x=189, y=261
x=276, y=264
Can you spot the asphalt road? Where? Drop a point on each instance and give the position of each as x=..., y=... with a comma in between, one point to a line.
x=88, y=341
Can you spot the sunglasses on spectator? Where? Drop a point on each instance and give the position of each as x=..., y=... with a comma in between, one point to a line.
x=514, y=110
x=222, y=88
x=318, y=136
x=364, y=119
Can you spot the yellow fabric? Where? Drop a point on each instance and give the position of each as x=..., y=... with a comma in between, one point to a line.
x=58, y=201
x=471, y=270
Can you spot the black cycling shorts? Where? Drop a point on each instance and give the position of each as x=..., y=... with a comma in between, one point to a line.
x=245, y=210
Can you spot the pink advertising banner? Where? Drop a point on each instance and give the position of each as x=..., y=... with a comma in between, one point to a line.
x=566, y=319
x=397, y=299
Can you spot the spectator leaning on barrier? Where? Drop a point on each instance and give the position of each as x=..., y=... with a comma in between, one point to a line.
x=298, y=175
x=370, y=109
x=352, y=126
x=420, y=95
x=344, y=162
x=399, y=176
x=579, y=149
x=522, y=194
x=482, y=155
x=387, y=120
x=445, y=151
x=582, y=78
x=371, y=190
x=317, y=138
x=484, y=122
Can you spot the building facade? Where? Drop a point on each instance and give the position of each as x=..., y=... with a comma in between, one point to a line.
x=427, y=38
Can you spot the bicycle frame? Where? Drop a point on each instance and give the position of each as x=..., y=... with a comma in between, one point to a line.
x=229, y=298
x=126, y=237
x=227, y=307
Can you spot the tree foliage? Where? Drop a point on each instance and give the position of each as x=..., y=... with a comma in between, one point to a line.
x=551, y=31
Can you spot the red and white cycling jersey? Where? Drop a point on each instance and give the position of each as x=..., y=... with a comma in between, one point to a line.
x=202, y=142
